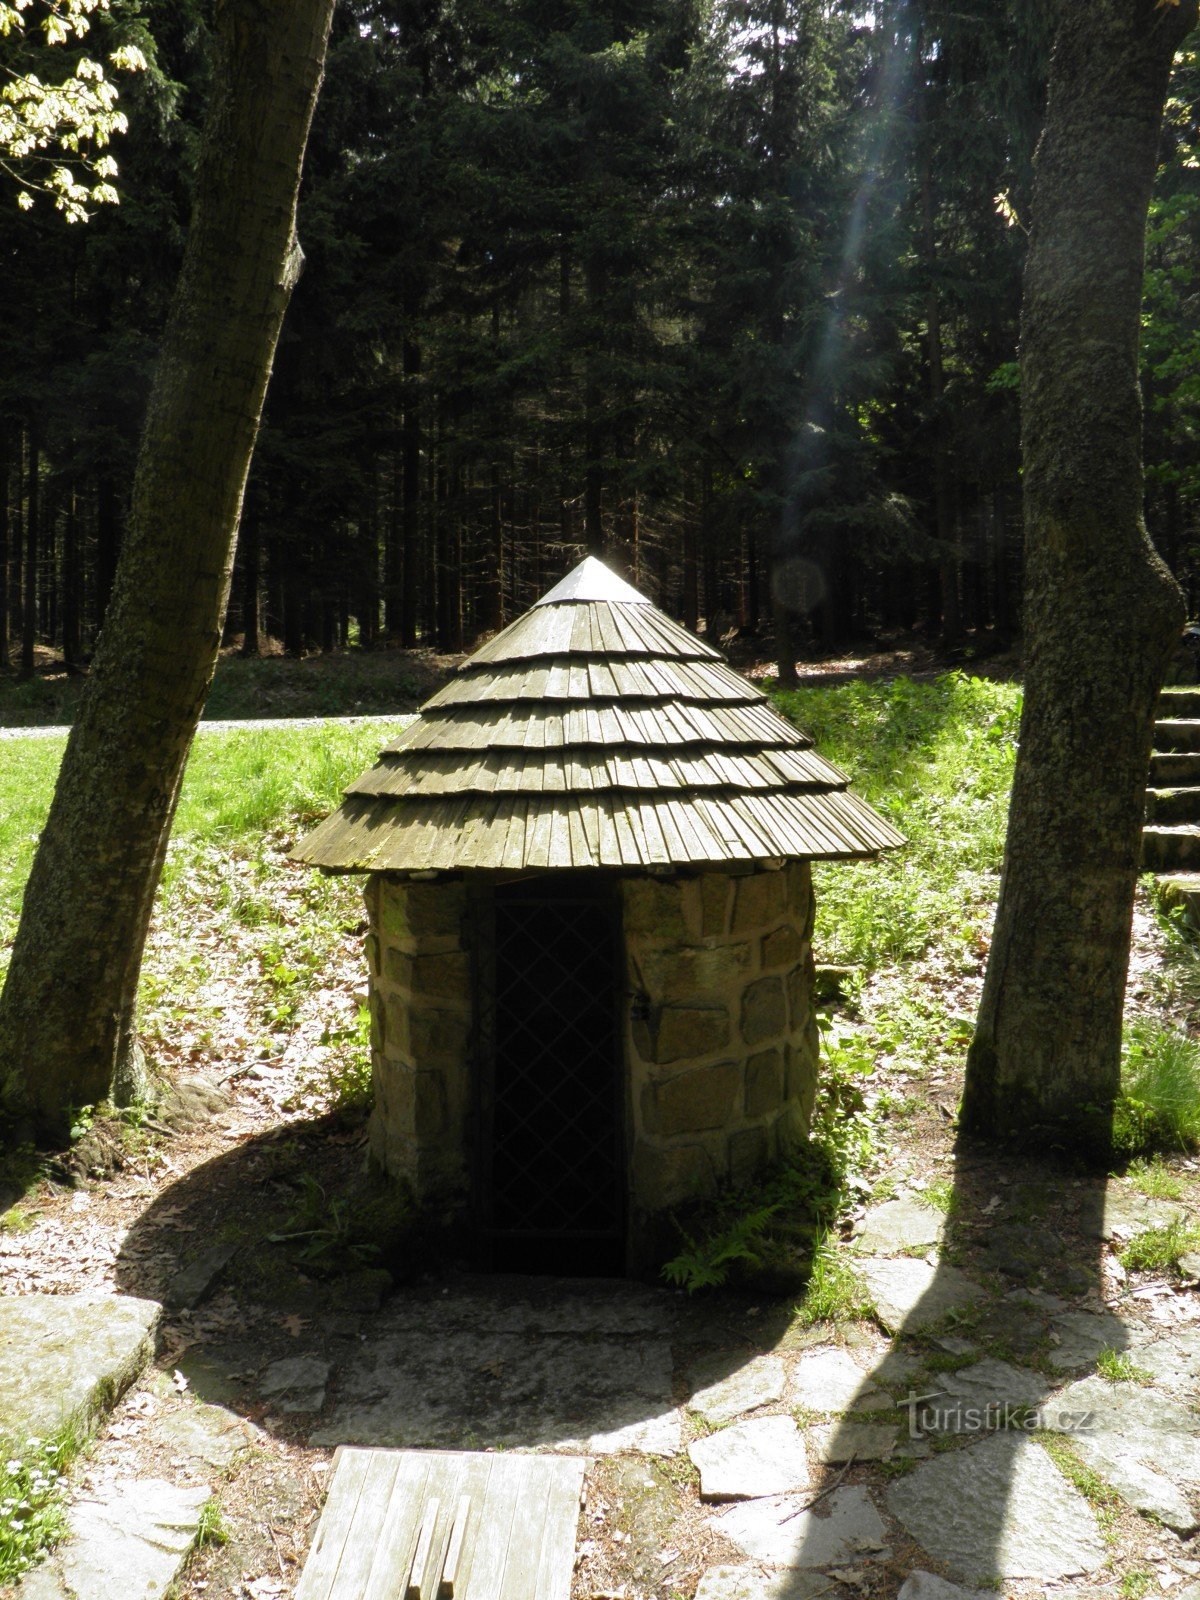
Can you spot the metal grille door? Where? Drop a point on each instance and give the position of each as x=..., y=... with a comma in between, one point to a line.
x=552, y=1160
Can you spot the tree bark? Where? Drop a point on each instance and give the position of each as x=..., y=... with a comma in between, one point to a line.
x=67, y=1012
x=5, y=548
x=1102, y=612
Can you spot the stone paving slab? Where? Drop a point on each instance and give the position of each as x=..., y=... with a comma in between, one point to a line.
x=513, y=1303
x=899, y=1226
x=1146, y=1445
x=1079, y=1337
x=203, y=1435
x=911, y=1294
x=129, y=1540
x=478, y=1389
x=1126, y=1214
x=727, y=1387
x=999, y=1510
x=828, y=1380
x=750, y=1460
x=64, y=1357
x=860, y=1441
x=1174, y=1361
x=845, y=1527
x=297, y=1383
x=928, y=1586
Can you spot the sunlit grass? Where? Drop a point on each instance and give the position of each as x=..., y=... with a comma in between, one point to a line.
x=937, y=758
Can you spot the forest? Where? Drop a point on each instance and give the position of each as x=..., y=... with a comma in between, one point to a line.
x=726, y=291
x=706, y=1104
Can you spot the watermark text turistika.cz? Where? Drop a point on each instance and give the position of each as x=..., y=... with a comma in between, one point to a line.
x=938, y=1412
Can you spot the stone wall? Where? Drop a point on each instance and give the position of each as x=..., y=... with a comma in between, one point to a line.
x=422, y=1015
x=722, y=1046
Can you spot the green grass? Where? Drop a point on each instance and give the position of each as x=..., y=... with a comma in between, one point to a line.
x=210, y=1530
x=1159, y=1249
x=1152, y=1177
x=1159, y=1106
x=937, y=758
x=239, y=787
x=1118, y=1366
x=32, y=1518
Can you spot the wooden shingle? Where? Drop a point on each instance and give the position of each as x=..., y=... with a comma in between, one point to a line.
x=595, y=732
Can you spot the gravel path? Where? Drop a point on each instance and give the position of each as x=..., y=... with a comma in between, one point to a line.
x=60, y=731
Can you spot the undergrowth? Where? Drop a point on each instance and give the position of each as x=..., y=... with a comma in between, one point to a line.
x=32, y=1517
x=1159, y=1104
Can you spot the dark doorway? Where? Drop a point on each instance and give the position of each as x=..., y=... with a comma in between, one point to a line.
x=552, y=1170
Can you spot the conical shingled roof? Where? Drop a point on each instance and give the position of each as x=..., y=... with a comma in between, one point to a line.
x=595, y=732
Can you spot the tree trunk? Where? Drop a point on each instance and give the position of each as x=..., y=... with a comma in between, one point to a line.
x=67, y=1012
x=72, y=586
x=410, y=572
x=1102, y=612
x=29, y=584
x=108, y=545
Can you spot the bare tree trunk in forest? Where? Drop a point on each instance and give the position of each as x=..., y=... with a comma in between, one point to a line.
x=1102, y=612
x=410, y=571
x=67, y=1012
x=72, y=586
x=593, y=442
x=108, y=544
x=29, y=581
x=943, y=489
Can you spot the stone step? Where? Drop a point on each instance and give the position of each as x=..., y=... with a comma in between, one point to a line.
x=1181, y=702
x=65, y=1359
x=1173, y=805
x=1176, y=733
x=1182, y=890
x=1170, y=849
x=1175, y=770
x=126, y=1539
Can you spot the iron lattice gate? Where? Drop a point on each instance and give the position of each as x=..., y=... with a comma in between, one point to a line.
x=553, y=1100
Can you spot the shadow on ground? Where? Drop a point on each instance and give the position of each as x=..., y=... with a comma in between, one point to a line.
x=961, y=1432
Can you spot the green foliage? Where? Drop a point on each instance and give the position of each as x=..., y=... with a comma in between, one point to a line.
x=322, y=1232
x=32, y=1518
x=834, y=1292
x=1118, y=1366
x=1159, y=1105
x=937, y=758
x=705, y=1263
x=1159, y=1249
x=1155, y=1179
x=211, y=1531
x=785, y=1224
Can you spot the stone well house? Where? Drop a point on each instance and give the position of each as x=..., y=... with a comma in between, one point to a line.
x=591, y=918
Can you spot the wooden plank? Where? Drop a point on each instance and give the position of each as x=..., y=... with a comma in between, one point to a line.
x=333, y=1530
x=393, y=1550
x=489, y=1548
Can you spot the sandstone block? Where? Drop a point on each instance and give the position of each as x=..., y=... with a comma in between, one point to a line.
x=764, y=1010
x=800, y=991
x=707, y=905
x=654, y=906
x=693, y=1101
x=761, y=898
x=783, y=948
x=444, y=975
x=764, y=1083
x=420, y=911
x=430, y=1037
x=750, y=1149
x=680, y=1033
x=801, y=903
x=694, y=972
x=671, y=1177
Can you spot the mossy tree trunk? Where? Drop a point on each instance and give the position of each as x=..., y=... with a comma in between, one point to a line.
x=1102, y=613
x=67, y=1012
